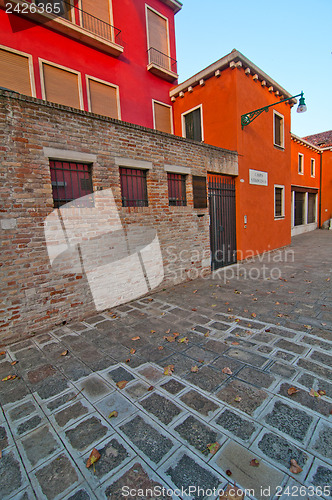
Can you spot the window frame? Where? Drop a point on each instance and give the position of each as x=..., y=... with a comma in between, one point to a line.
x=147, y=28
x=69, y=70
x=154, y=117
x=104, y=82
x=183, y=122
x=282, y=216
x=312, y=167
x=145, y=187
x=300, y=171
x=30, y=65
x=180, y=202
x=89, y=171
x=282, y=134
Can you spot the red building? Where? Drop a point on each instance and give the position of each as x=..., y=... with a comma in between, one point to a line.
x=112, y=57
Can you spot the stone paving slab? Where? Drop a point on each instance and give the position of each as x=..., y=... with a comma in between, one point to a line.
x=58, y=407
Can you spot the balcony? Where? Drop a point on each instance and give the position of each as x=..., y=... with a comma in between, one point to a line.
x=162, y=65
x=71, y=21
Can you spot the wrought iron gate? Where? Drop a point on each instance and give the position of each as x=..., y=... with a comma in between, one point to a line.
x=222, y=220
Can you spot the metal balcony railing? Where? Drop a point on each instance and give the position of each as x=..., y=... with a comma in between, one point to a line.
x=89, y=22
x=162, y=60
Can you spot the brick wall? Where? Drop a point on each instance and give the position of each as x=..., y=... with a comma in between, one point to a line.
x=37, y=295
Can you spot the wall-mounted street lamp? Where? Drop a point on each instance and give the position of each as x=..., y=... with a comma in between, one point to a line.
x=249, y=117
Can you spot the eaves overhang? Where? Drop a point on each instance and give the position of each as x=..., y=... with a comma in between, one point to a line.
x=234, y=57
x=308, y=144
x=173, y=4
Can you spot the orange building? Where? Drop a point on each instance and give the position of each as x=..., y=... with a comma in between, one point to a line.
x=324, y=142
x=208, y=107
x=306, y=178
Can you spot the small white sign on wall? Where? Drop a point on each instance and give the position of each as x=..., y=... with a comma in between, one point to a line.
x=258, y=177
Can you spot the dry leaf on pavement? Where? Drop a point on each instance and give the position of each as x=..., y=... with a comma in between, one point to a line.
x=227, y=370
x=183, y=340
x=170, y=338
x=194, y=369
x=321, y=392
x=313, y=393
x=136, y=338
x=168, y=370
x=132, y=351
x=213, y=448
x=122, y=384
x=292, y=390
x=238, y=399
x=254, y=462
x=93, y=458
x=9, y=377
x=295, y=468
x=113, y=414
x=64, y=353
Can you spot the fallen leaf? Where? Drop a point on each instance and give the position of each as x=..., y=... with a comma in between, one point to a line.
x=132, y=350
x=128, y=360
x=184, y=340
x=228, y=472
x=136, y=338
x=313, y=393
x=14, y=362
x=167, y=331
x=235, y=343
x=292, y=390
x=2, y=353
x=213, y=448
x=214, y=305
x=168, y=370
x=170, y=338
x=229, y=310
x=122, y=384
x=207, y=334
x=176, y=334
x=113, y=414
x=201, y=360
x=195, y=291
x=152, y=331
x=253, y=315
x=9, y=377
x=93, y=458
x=150, y=388
x=160, y=348
x=237, y=292
x=232, y=493
x=254, y=462
x=238, y=399
x=321, y=393
x=194, y=369
x=194, y=309
x=295, y=468
x=227, y=370
x=64, y=353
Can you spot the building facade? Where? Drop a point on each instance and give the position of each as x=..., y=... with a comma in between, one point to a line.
x=208, y=108
x=112, y=57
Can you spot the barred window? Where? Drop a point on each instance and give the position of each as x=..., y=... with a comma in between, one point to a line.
x=70, y=181
x=176, y=190
x=133, y=187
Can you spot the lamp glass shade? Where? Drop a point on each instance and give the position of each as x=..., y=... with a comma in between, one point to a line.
x=302, y=106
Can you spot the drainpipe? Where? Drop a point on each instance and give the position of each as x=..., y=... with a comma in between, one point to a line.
x=320, y=190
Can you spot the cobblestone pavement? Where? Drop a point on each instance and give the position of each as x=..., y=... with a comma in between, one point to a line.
x=270, y=334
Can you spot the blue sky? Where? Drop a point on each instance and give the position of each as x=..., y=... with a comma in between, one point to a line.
x=290, y=40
